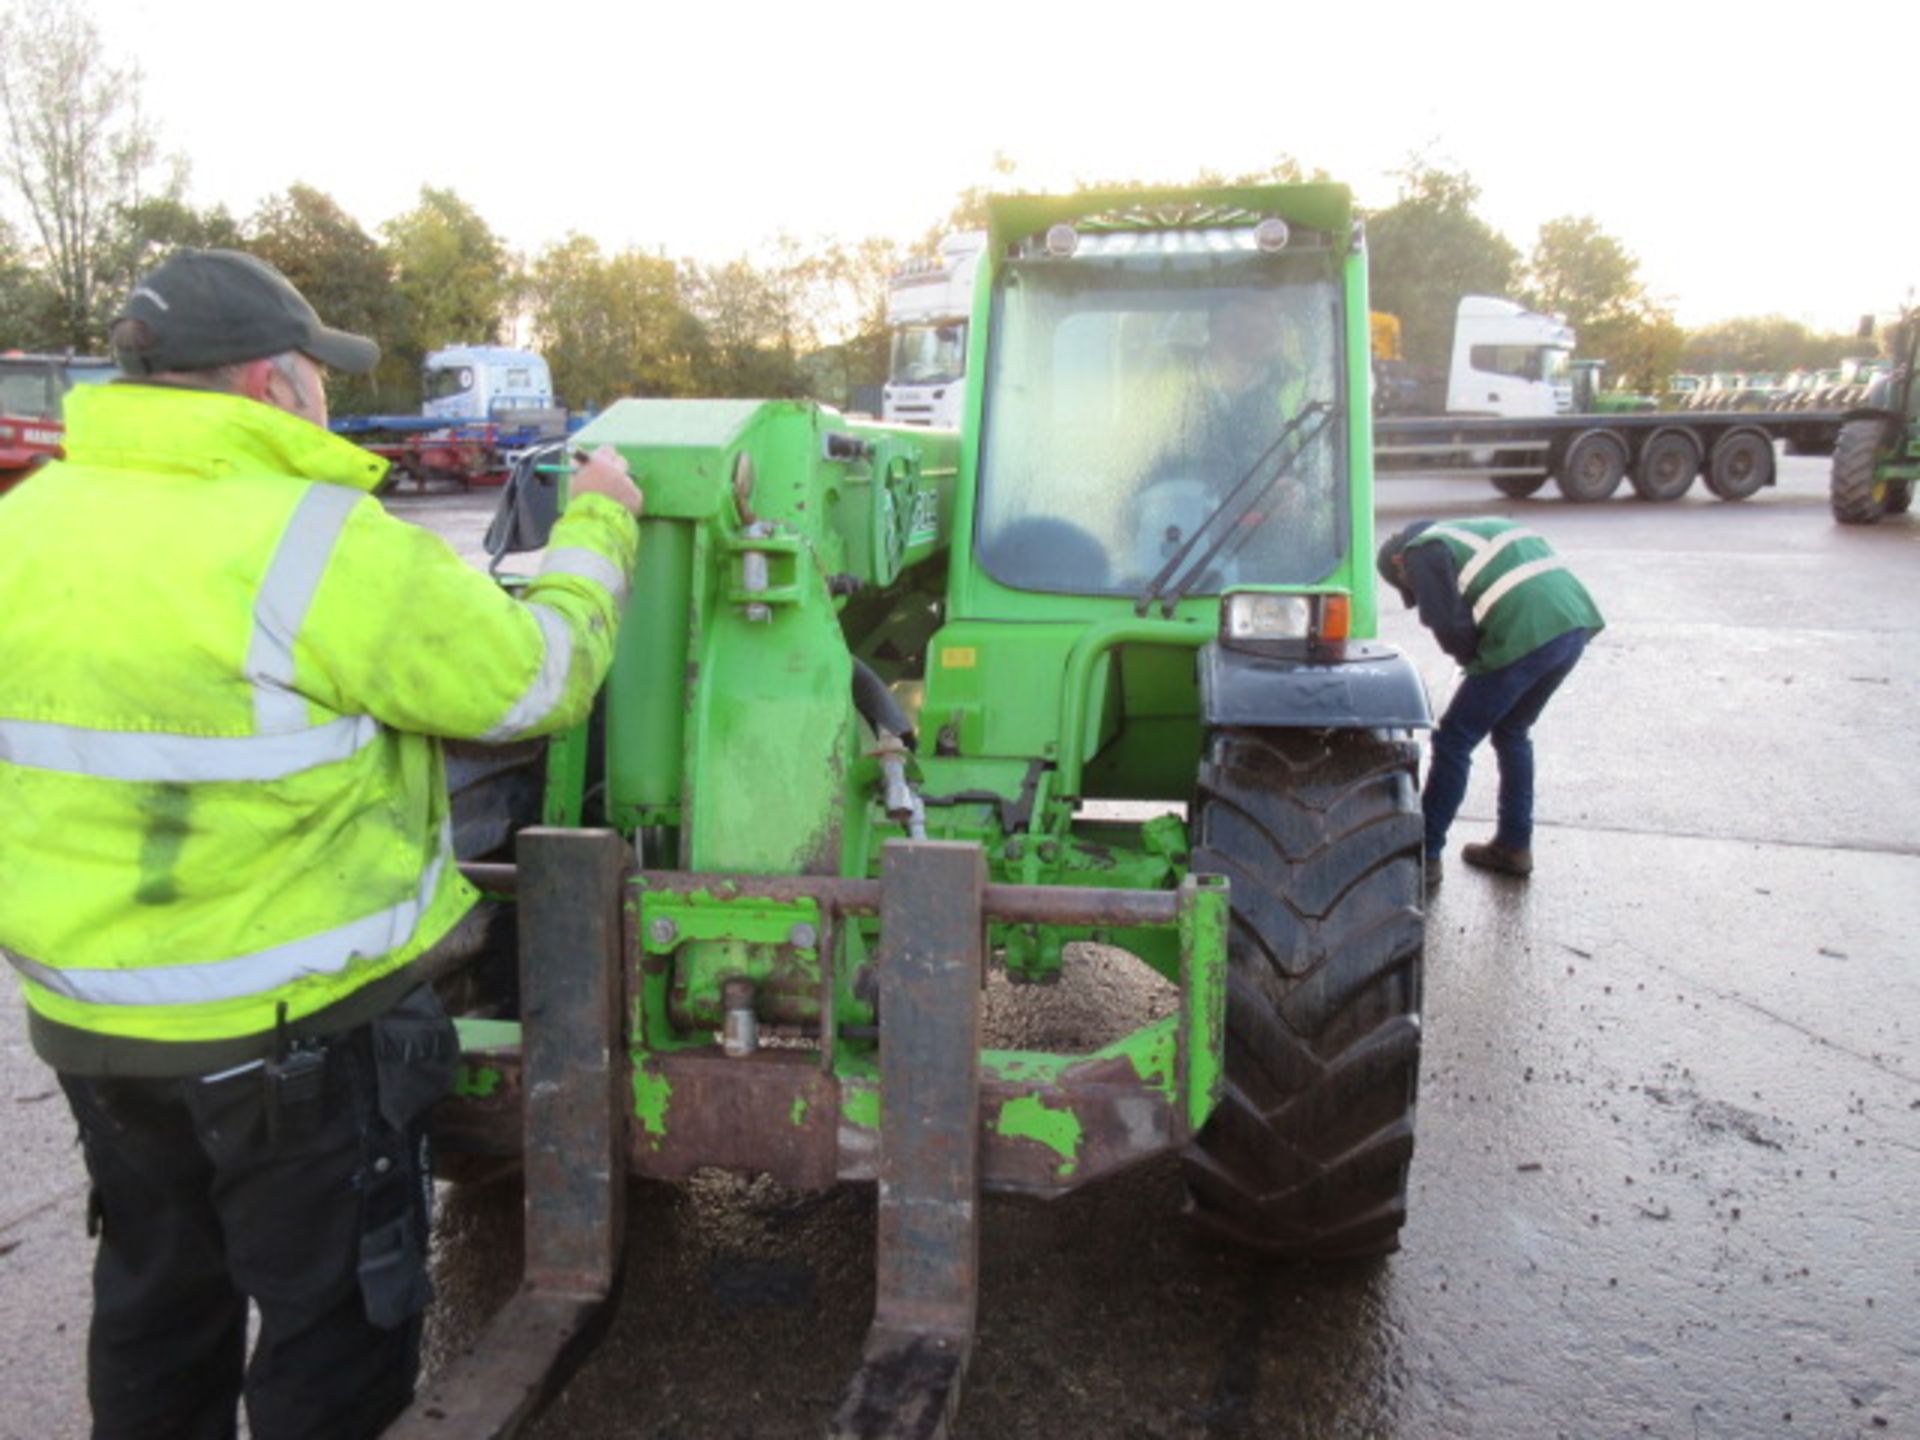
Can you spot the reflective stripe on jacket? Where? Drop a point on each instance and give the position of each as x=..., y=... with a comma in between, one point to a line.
x=221, y=666
x=1520, y=593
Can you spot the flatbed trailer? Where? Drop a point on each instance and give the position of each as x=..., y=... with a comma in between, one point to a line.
x=425, y=451
x=1587, y=456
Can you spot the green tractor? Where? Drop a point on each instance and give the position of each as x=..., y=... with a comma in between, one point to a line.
x=891, y=706
x=1877, y=456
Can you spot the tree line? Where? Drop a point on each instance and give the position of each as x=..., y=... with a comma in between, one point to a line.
x=1430, y=247
x=102, y=203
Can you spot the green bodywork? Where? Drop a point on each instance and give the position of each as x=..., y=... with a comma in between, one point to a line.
x=1590, y=395
x=782, y=542
x=1896, y=393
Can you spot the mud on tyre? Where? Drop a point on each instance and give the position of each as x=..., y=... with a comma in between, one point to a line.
x=1320, y=835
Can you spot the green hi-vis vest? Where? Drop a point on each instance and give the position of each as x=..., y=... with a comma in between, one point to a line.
x=221, y=666
x=1520, y=594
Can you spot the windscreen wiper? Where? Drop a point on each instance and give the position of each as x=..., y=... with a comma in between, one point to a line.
x=1177, y=562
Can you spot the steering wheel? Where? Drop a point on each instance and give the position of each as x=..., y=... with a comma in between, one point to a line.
x=1166, y=513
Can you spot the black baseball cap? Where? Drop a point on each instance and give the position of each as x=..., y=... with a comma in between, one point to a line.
x=1390, y=551
x=201, y=309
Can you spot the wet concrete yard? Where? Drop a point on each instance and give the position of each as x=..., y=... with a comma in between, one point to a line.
x=1669, y=1138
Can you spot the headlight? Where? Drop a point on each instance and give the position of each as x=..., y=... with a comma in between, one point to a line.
x=1323, y=619
x=1265, y=617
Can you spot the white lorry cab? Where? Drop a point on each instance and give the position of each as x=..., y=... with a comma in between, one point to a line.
x=928, y=306
x=1509, y=360
x=468, y=384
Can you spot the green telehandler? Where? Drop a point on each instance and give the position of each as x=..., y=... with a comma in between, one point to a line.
x=1877, y=456
x=891, y=706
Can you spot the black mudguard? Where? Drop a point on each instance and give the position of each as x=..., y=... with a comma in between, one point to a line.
x=1370, y=687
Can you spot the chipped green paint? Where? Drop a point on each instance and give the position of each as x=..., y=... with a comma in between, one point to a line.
x=476, y=1081
x=652, y=1094
x=1025, y=1067
x=1030, y=1118
x=1155, y=1055
x=799, y=1113
x=1204, y=912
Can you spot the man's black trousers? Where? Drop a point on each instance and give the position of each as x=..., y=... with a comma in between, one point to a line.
x=302, y=1184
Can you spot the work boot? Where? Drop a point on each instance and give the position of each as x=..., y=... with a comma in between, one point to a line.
x=1434, y=874
x=1495, y=856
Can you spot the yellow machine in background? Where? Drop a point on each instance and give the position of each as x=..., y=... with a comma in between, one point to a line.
x=1385, y=330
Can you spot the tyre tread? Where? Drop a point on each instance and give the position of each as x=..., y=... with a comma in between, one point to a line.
x=1851, y=490
x=1319, y=833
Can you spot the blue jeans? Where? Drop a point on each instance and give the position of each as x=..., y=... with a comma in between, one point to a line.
x=1503, y=703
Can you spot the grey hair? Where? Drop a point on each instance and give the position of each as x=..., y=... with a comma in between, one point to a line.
x=231, y=379
x=290, y=372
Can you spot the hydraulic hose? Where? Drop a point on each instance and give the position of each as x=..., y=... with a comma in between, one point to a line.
x=876, y=704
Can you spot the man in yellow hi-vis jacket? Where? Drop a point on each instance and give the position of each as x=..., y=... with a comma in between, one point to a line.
x=224, y=847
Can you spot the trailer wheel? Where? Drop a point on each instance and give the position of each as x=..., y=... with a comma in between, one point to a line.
x=1595, y=464
x=1810, y=442
x=1320, y=834
x=1668, y=462
x=1740, y=464
x=1518, y=487
x=1856, y=496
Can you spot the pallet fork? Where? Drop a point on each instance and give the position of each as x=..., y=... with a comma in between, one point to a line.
x=934, y=903
x=571, y=986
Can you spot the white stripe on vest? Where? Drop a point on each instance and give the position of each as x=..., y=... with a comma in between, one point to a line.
x=286, y=744
x=280, y=608
x=1471, y=571
x=1485, y=550
x=1519, y=575
x=264, y=971
x=150, y=757
x=589, y=565
x=549, y=685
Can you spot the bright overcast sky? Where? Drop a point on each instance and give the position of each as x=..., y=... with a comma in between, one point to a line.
x=1749, y=157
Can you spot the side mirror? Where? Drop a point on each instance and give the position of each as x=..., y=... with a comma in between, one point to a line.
x=1865, y=332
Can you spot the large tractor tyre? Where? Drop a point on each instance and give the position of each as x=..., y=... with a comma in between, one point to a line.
x=1320, y=835
x=1855, y=494
x=1740, y=464
x=1594, y=466
x=1667, y=464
